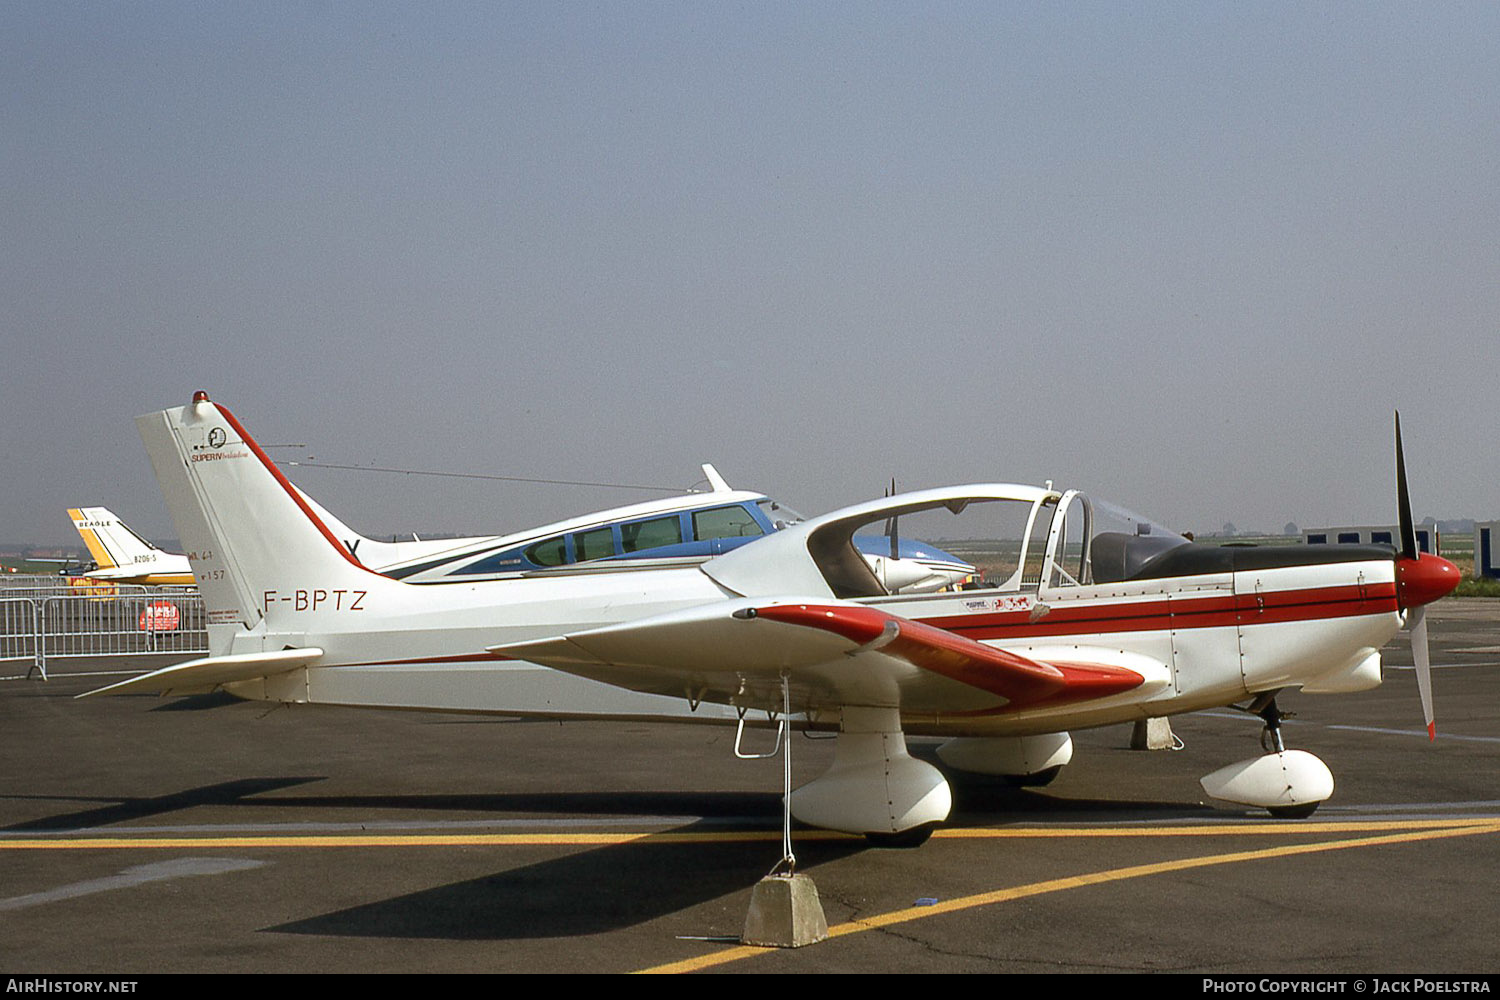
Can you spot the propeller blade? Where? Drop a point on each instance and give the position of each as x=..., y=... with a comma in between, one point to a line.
x=1419, y=581
x=1403, y=500
x=1420, y=657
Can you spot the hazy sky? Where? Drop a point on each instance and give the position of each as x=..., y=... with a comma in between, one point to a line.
x=1186, y=256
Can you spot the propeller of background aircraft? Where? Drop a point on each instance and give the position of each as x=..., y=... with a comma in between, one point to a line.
x=892, y=529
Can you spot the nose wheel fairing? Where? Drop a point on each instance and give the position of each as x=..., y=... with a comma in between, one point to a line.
x=1290, y=784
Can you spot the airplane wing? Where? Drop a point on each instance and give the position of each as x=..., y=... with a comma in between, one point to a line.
x=834, y=653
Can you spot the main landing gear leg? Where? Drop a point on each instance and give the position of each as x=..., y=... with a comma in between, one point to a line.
x=1289, y=784
x=874, y=786
x=785, y=911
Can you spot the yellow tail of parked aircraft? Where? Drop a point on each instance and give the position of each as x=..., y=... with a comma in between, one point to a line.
x=122, y=556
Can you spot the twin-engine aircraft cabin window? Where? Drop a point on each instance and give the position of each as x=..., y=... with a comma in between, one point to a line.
x=596, y=544
x=651, y=534
x=725, y=522
x=552, y=552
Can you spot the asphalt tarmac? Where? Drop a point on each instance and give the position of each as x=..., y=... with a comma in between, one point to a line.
x=203, y=834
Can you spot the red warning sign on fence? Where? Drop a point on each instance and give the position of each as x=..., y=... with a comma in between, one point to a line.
x=160, y=616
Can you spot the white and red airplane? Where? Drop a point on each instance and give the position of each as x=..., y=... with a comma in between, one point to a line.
x=1087, y=619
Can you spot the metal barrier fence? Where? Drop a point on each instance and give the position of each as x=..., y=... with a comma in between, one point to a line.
x=20, y=639
x=38, y=585
x=47, y=626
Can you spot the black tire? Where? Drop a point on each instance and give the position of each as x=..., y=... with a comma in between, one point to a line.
x=1293, y=812
x=1040, y=779
x=915, y=837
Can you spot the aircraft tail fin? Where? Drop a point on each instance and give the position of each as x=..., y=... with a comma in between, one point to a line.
x=375, y=554
x=351, y=539
x=110, y=541
x=260, y=552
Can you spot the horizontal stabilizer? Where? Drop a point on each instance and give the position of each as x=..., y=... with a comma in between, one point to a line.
x=210, y=672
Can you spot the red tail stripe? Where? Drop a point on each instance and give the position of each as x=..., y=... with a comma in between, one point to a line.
x=291, y=491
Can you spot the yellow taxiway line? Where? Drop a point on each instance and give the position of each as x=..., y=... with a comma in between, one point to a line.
x=1373, y=833
x=1415, y=831
x=91, y=842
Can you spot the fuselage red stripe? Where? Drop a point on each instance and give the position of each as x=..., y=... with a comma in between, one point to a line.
x=1154, y=614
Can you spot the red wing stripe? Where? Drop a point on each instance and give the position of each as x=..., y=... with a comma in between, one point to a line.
x=1093, y=680
x=1013, y=677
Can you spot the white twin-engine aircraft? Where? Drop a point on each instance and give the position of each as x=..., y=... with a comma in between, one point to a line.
x=1090, y=618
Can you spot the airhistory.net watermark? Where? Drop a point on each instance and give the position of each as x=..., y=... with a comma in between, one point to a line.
x=54, y=984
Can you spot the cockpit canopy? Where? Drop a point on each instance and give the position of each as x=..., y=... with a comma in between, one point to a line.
x=1018, y=538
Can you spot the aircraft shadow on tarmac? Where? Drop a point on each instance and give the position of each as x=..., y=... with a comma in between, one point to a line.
x=982, y=801
x=741, y=810
x=592, y=892
x=609, y=888
x=588, y=891
x=126, y=808
x=978, y=801
x=198, y=702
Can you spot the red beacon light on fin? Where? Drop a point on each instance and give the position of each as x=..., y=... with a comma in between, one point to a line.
x=201, y=396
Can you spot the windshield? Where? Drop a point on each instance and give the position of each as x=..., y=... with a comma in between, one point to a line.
x=1123, y=542
x=779, y=514
x=1112, y=517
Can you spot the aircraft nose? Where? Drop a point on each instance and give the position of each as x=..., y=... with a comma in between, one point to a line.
x=1424, y=579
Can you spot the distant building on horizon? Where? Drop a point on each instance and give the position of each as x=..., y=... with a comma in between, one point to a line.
x=1428, y=538
x=1486, y=535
